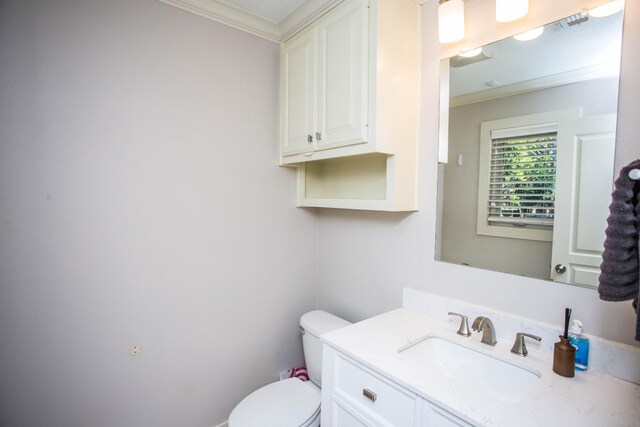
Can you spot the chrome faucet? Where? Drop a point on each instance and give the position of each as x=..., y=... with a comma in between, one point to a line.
x=484, y=325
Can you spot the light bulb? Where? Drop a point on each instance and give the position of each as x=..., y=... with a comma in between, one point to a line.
x=530, y=35
x=471, y=53
x=510, y=10
x=451, y=21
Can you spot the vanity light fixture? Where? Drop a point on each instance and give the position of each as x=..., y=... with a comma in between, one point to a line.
x=529, y=35
x=510, y=10
x=607, y=9
x=450, y=21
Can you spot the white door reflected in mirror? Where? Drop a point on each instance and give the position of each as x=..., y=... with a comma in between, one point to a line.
x=586, y=150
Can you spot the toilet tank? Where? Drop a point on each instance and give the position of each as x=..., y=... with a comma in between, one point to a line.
x=314, y=324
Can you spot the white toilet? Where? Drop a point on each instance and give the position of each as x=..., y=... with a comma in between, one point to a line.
x=292, y=402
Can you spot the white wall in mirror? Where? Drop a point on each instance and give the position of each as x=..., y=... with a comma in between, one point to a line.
x=365, y=259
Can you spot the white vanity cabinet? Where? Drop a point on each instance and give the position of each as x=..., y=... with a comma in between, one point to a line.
x=298, y=71
x=349, y=106
x=354, y=395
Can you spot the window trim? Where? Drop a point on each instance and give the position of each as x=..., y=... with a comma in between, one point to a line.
x=505, y=126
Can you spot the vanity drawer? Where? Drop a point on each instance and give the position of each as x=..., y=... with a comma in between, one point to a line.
x=386, y=402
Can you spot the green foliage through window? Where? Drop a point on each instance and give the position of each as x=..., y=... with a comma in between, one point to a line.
x=523, y=180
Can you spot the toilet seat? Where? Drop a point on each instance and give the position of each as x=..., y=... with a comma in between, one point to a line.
x=287, y=403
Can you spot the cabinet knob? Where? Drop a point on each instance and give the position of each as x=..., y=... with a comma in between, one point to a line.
x=309, y=139
x=369, y=394
x=560, y=269
x=318, y=136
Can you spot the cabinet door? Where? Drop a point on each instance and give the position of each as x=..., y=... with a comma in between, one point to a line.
x=343, y=75
x=298, y=82
x=344, y=418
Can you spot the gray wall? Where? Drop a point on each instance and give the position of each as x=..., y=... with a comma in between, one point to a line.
x=366, y=258
x=460, y=241
x=140, y=203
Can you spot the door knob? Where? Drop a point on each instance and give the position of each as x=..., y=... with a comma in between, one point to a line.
x=560, y=268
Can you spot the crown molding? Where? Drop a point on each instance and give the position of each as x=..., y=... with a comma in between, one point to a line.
x=560, y=79
x=225, y=13
x=232, y=16
x=306, y=13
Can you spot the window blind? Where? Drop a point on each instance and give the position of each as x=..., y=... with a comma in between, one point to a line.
x=523, y=177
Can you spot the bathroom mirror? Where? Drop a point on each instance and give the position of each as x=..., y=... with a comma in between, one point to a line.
x=531, y=141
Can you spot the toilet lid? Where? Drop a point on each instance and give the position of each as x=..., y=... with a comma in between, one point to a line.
x=288, y=403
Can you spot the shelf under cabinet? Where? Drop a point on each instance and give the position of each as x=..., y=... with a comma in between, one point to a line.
x=366, y=182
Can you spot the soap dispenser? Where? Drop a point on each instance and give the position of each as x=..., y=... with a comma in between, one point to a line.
x=581, y=344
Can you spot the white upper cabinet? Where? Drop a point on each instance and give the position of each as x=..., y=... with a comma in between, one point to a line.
x=324, y=83
x=299, y=94
x=349, y=106
x=342, y=76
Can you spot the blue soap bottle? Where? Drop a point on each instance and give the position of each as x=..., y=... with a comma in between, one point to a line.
x=581, y=345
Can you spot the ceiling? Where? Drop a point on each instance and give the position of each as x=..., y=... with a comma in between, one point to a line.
x=271, y=10
x=560, y=49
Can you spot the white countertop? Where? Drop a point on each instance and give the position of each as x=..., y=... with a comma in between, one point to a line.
x=591, y=398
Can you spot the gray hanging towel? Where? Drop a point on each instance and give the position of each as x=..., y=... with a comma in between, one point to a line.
x=636, y=302
x=619, y=272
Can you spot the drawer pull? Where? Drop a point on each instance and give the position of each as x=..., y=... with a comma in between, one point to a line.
x=369, y=394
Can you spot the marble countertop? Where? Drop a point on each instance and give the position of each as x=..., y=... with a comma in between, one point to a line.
x=590, y=398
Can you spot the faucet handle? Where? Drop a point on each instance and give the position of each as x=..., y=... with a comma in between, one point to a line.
x=519, y=346
x=464, y=324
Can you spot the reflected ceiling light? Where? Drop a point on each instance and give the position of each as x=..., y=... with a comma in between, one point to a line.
x=607, y=9
x=510, y=10
x=450, y=21
x=466, y=58
x=530, y=35
x=471, y=53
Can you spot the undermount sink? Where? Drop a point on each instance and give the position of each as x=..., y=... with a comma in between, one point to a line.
x=472, y=368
